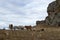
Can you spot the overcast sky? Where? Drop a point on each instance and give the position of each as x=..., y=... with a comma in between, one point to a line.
x=22, y=12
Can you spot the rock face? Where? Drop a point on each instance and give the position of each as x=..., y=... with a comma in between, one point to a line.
x=53, y=11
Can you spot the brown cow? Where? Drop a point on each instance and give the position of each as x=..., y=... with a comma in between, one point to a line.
x=28, y=27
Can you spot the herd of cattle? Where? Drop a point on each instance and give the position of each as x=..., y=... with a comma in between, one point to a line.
x=11, y=27
x=20, y=27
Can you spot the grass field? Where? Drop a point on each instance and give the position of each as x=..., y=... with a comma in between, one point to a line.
x=49, y=33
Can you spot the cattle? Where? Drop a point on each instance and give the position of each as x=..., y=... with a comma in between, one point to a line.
x=18, y=27
x=15, y=27
x=11, y=26
x=28, y=27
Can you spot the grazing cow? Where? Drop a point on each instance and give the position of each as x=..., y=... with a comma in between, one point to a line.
x=15, y=27
x=18, y=27
x=28, y=27
x=11, y=26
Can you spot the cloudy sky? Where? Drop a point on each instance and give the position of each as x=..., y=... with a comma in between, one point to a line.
x=22, y=12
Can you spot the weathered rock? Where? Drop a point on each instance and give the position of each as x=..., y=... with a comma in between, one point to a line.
x=53, y=11
x=40, y=22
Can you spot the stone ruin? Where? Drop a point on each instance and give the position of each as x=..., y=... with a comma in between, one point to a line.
x=53, y=11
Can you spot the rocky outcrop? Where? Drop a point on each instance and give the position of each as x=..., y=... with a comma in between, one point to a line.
x=53, y=11
x=40, y=22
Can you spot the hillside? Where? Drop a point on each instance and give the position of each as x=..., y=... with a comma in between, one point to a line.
x=49, y=33
x=49, y=29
